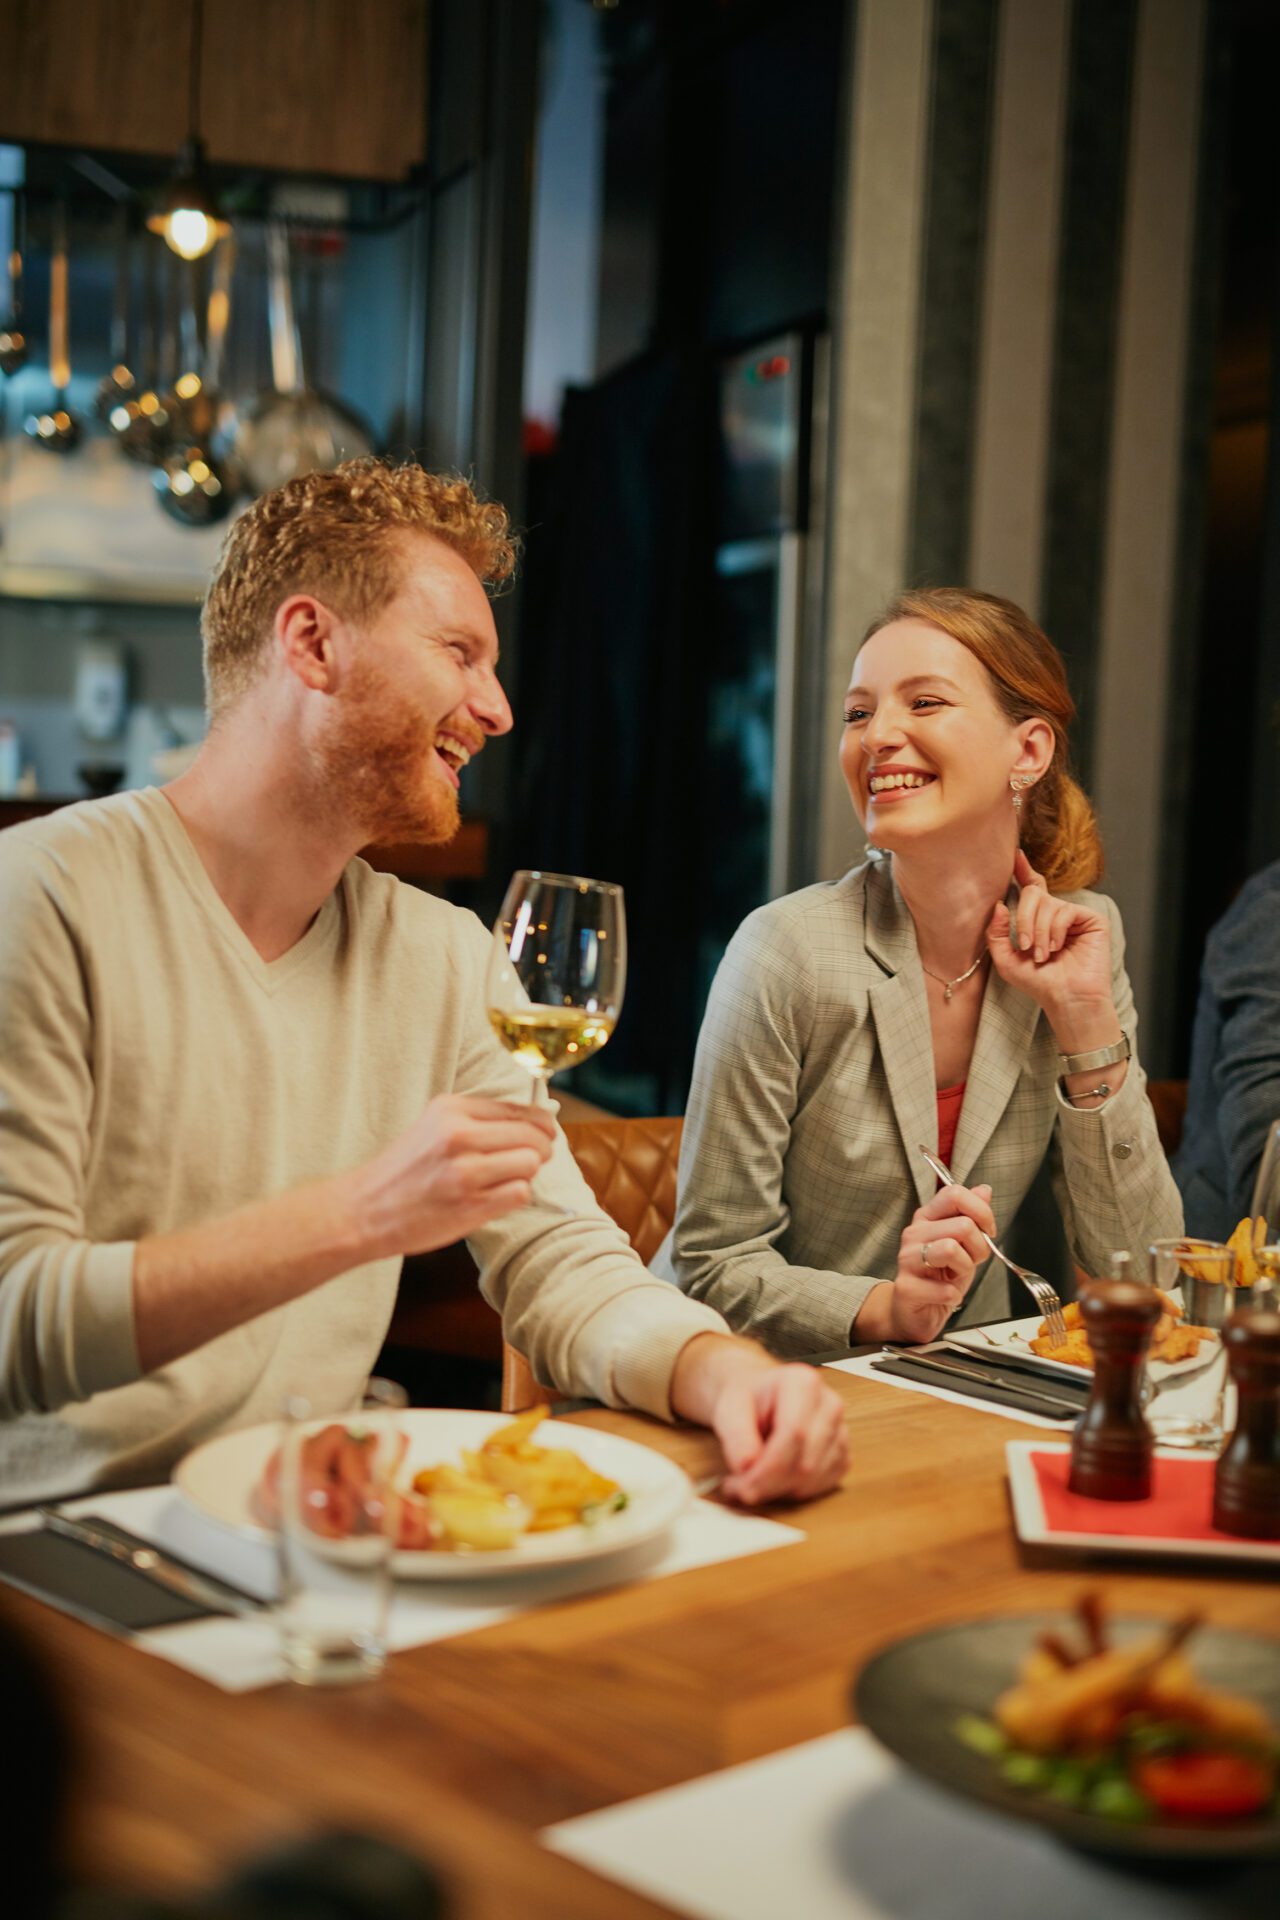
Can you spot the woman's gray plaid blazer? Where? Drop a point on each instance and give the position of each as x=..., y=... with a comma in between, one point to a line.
x=812, y=1087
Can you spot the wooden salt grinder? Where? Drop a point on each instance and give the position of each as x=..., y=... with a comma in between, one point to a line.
x=1246, y=1483
x=1111, y=1447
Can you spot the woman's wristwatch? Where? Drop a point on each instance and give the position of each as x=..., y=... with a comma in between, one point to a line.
x=1088, y=1063
x=1099, y=1057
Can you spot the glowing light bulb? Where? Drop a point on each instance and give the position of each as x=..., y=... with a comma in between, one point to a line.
x=189, y=232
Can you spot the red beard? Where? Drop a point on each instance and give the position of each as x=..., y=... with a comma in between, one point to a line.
x=376, y=765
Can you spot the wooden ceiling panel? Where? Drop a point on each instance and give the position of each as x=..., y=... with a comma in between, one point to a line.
x=298, y=86
x=318, y=86
x=95, y=73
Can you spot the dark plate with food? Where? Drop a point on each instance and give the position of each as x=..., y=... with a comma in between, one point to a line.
x=1148, y=1738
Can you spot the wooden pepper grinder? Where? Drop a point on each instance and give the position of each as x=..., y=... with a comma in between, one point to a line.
x=1111, y=1447
x=1246, y=1483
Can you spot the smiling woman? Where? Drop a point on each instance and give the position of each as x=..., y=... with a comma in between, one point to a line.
x=959, y=990
x=1004, y=669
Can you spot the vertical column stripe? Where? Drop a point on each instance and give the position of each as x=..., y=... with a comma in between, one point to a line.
x=874, y=335
x=1011, y=453
x=1140, y=562
x=1097, y=133
x=959, y=141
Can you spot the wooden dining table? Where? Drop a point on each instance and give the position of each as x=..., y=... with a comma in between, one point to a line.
x=463, y=1750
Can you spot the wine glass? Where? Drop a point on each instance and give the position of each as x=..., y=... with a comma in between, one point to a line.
x=1265, y=1208
x=557, y=970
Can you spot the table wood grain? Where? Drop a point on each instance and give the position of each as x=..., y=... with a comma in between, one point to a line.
x=464, y=1749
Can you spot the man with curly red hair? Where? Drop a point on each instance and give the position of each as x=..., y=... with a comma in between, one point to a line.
x=242, y=1074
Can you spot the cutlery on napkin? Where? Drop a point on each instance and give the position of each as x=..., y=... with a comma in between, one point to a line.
x=204, y=1591
x=78, y=1580
x=1058, y=1401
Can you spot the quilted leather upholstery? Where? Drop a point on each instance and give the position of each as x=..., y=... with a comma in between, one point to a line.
x=630, y=1166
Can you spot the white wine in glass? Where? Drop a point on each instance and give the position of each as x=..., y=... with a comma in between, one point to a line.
x=557, y=970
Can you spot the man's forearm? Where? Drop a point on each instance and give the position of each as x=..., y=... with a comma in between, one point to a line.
x=191, y=1286
x=464, y=1162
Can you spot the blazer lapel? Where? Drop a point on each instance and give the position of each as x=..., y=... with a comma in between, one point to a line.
x=1005, y=1030
x=901, y=1013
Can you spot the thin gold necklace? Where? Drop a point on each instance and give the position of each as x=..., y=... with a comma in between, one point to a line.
x=949, y=986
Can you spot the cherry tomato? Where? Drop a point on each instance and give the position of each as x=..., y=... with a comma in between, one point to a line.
x=1204, y=1784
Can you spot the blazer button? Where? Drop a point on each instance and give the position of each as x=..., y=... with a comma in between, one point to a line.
x=1122, y=1149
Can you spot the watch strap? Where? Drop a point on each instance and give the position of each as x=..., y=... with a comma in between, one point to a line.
x=1098, y=1057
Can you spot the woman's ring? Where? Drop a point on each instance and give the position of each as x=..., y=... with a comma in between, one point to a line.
x=924, y=1254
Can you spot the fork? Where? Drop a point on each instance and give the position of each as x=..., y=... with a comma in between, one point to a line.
x=1036, y=1285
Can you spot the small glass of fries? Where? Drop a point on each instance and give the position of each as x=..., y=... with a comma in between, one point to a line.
x=1209, y=1274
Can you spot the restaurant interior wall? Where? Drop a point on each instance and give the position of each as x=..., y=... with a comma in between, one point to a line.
x=1027, y=325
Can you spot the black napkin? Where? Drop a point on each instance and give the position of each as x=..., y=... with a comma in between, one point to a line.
x=81, y=1581
x=999, y=1395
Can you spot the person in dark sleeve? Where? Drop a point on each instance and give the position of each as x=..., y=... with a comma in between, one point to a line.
x=1234, y=1093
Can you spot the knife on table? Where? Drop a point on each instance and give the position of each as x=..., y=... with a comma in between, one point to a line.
x=1029, y=1366
x=1026, y=1366
x=1060, y=1404
x=158, y=1567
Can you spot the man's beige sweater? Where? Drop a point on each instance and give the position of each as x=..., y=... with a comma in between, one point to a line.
x=156, y=1073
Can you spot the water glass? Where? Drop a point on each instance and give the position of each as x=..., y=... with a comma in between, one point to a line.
x=335, y=1536
x=1206, y=1273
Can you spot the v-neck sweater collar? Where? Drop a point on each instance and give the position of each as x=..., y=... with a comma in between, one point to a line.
x=270, y=975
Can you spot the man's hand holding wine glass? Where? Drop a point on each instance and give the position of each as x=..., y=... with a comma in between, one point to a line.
x=466, y=1161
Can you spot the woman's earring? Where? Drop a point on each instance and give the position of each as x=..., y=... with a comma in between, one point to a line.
x=1017, y=782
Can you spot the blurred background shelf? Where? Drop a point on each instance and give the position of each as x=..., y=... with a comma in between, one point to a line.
x=465, y=857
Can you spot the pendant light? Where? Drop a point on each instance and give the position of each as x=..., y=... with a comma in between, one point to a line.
x=191, y=221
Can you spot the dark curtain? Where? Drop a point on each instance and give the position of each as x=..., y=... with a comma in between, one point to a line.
x=611, y=693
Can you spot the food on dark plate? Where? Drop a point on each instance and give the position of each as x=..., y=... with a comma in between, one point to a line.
x=1129, y=1732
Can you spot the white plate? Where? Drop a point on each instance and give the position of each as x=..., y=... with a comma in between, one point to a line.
x=1032, y=1527
x=1015, y=1337
x=218, y=1480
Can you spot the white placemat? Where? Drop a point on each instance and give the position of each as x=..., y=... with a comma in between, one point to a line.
x=238, y=1654
x=837, y=1830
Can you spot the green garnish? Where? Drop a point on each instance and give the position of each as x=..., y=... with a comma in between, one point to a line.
x=1027, y=1769
x=1116, y=1798
x=591, y=1515
x=984, y=1736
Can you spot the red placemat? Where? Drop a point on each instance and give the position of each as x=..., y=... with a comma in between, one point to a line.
x=1179, y=1508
